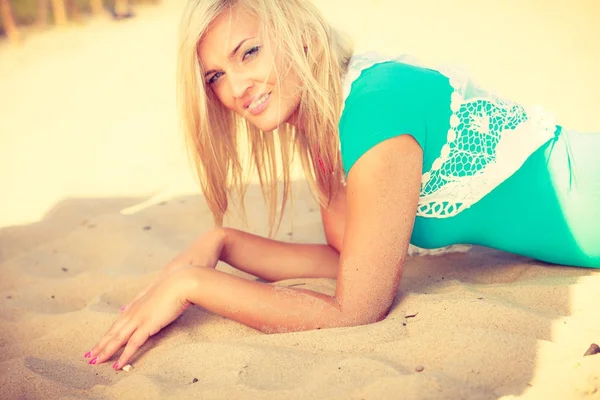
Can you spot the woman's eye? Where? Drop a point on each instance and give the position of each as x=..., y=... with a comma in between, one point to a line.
x=251, y=53
x=214, y=78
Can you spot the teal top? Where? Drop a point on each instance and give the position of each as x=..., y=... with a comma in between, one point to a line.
x=393, y=98
x=482, y=156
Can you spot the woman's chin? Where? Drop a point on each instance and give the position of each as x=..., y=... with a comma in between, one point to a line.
x=266, y=125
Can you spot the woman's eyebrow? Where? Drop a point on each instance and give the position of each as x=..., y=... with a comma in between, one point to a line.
x=239, y=45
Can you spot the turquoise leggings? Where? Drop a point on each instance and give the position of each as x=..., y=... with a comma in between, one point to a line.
x=548, y=210
x=574, y=167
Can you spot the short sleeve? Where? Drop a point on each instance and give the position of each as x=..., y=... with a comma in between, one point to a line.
x=387, y=100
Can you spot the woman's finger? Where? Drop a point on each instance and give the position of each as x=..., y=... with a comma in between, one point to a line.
x=115, y=343
x=115, y=327
x=136, y=341
x=114, y=330
x=140, y=295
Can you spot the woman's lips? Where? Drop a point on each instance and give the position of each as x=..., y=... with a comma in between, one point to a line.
x=259, y=104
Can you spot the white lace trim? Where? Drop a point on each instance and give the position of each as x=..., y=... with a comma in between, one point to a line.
x=489, y=140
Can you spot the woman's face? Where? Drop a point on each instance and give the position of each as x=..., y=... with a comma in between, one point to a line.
x=244, y=73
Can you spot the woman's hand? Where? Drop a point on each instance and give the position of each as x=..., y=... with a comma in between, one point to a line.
x=146, y=316
x=205, y=251
x=162, y=275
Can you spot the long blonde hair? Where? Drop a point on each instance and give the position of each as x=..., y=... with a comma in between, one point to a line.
x=319, y=55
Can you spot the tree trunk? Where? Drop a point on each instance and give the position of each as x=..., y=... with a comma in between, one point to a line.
x=73, y=10
x=42, y=12
x=121, y=7
x=59, y=11
x=97, y=6
x=8, y=21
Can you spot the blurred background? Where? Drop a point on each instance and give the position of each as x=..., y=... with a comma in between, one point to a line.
x=27, y=14
x=87, y=87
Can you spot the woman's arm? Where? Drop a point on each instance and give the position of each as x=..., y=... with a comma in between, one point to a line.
x=383, y=191
x=333, y=217
x=382, y=195
x=274, y=260
x=268, y=259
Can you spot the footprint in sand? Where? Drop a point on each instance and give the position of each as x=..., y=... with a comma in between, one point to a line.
x=47, y=298
x=352, y=371
x=331, y=372
x=51, y=262
x=66, y=374
x=109, y=302
x=119, y=295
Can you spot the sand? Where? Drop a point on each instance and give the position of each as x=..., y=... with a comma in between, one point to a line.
x=97, y=195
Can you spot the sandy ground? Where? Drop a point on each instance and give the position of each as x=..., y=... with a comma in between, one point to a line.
x=97, y=194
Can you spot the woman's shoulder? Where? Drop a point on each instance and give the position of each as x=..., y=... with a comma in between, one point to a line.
x=373, y=72
x=385, y=98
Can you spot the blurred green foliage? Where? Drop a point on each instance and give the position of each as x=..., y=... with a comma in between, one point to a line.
x=26, y=12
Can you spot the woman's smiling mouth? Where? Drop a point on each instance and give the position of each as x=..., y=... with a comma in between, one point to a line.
x=259, y=104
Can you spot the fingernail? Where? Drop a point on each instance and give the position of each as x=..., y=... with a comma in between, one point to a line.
x=93, y=360
x=88, y=354
x=116, y=365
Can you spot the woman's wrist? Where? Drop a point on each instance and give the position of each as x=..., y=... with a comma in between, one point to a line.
x=211, y=245
x=188, y=280
x=205, y=251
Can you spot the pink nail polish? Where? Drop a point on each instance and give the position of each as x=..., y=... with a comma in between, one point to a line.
x=116, y=365
x=93, y=360
x=88, y=354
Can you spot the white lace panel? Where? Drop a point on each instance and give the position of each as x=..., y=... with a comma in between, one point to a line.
x=488, y=141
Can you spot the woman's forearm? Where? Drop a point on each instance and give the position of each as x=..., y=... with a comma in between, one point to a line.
x=267, y=259
x=274, y=260
x=268, y=308
x=206, y=251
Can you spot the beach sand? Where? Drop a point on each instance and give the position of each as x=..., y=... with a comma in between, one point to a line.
x=97, y=195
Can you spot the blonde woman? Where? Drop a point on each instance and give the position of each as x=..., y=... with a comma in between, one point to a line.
x=426, y=158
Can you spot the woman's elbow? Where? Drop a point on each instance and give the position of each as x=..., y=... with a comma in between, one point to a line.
x=370, y=318
x=364, y=316
x=334, y=242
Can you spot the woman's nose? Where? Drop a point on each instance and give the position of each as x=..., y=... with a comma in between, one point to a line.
x=239, y=84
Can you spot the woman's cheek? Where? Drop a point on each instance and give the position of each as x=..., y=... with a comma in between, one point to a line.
x=224, y=100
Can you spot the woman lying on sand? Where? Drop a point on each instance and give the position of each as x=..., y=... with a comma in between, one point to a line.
x=427, y=158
